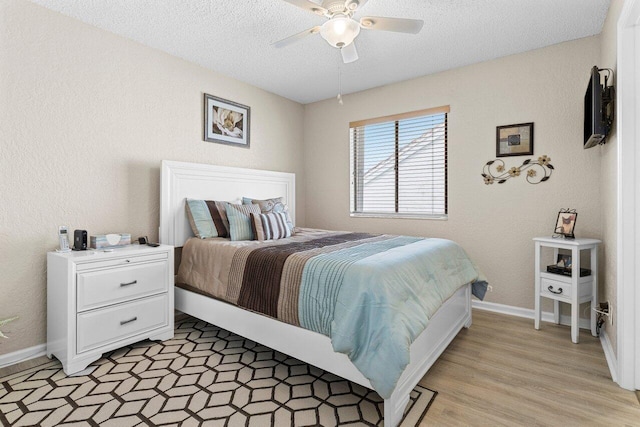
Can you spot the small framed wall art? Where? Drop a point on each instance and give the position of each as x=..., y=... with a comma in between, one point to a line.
x=514, y=140
x=226, y=122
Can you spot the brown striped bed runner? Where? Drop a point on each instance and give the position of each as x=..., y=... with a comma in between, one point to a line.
x=263, y=269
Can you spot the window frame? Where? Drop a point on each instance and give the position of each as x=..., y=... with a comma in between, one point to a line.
x=353, y=185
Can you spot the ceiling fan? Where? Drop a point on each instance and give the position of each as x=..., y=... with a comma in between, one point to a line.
x=340, y=30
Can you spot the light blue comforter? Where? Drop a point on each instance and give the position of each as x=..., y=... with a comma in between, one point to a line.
x=374, y=300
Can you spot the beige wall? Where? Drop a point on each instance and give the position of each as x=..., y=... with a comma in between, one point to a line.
x=608, y=182
x=85, y=119
x=495, y=223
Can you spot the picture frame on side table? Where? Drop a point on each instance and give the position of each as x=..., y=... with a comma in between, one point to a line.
x=566, y=223
x=514, y=140
x=226, y=122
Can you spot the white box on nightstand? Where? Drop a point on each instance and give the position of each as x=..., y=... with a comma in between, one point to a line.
x=98, y=301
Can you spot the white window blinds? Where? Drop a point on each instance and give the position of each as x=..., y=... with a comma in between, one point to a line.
x=399, y=165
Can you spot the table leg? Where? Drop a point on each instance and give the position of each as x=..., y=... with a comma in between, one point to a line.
x=594, y=289
x=536, y=320
x=575, y=327
x=556, y=311
x=575, y=307
x=537, y=308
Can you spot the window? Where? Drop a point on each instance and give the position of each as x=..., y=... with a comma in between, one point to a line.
x=399, y=165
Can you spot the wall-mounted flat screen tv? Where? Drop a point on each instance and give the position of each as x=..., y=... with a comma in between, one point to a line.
x=598, y=110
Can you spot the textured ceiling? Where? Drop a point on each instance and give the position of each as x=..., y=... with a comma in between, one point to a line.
x=234, y=37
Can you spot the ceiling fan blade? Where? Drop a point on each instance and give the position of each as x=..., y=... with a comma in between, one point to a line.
x=354, y=5
x=399, y=25
x=309, y=6
x=294, y=38
x=349, y=53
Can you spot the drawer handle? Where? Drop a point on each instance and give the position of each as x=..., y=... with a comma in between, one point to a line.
x=550, y=289
x=128, y=284
x=124, y=322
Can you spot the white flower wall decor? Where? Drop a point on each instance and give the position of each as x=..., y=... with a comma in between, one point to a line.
x=226, y=122
x=502, y=174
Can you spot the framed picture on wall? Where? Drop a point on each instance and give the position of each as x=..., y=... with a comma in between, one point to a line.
x=514, y=140
x=226, y=122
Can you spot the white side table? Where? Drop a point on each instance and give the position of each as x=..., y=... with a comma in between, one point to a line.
x=573, y=289
x=98, y=301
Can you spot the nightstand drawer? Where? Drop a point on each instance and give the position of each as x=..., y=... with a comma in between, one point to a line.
x=102, y=327
x=115, y=259
x=555, y=289
x=104, y=287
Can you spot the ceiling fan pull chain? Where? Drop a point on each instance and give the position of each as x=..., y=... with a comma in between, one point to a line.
x=339, y=97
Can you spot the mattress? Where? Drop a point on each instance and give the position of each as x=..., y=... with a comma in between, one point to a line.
x=371, y=294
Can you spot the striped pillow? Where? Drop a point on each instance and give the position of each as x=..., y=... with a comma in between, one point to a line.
x=273, y=205
x=208, y=218
x=240, y=221
x=271, y=226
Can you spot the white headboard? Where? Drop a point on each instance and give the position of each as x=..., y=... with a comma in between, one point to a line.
x=182, y=180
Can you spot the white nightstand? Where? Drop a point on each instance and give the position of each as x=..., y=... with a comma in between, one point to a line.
x=573, y=289
x=99, y=301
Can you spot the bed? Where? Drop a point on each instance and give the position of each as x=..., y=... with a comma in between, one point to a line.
x=181, y=181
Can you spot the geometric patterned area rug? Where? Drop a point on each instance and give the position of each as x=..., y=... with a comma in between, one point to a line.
x=204, y=376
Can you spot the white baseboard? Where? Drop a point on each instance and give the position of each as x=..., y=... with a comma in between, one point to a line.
x=22, y=355
x=527, y=313
x=609, y=354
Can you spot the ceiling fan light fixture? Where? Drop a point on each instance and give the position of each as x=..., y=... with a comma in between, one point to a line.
x=340, y=31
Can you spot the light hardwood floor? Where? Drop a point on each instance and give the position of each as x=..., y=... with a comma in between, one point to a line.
x=502, y=372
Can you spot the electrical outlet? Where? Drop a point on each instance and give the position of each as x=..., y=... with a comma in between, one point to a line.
x=607, y=307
